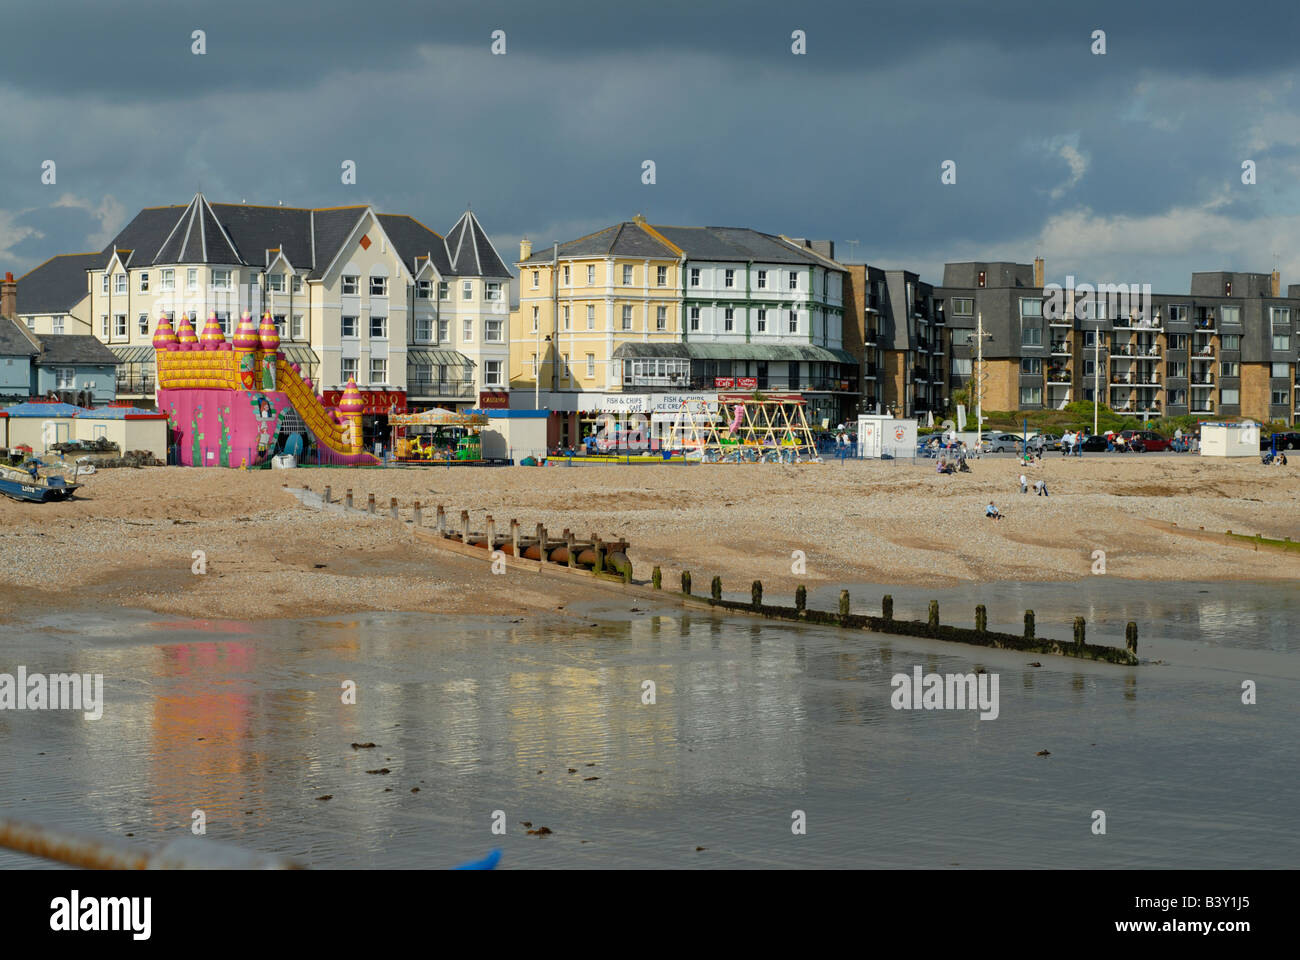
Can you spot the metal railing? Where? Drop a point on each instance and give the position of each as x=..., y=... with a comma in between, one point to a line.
x=140, y=385
x=422, y=387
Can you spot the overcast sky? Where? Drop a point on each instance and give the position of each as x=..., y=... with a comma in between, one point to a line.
x=1119, y=167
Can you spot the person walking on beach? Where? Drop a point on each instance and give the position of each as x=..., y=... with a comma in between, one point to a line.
x=1024, y=484
x=1067, y=441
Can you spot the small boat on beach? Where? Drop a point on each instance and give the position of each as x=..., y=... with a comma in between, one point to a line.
x=37, y=481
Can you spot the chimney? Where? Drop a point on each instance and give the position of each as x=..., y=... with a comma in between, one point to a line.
x=1277, y=283
x=525, y=248
x=9, y=296
x=1040, y=272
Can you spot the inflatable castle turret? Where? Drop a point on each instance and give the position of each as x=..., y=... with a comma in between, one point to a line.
x=185, y=333
x=246, y=345
x=164, y=337
x=212, y=337
x=350, y=406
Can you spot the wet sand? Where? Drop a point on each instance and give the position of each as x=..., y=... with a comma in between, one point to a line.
x=129, y=540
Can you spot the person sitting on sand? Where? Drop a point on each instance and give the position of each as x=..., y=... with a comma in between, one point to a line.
x=992, y=511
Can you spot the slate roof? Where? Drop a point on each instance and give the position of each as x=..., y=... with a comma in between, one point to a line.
x=311, y=239
x=72, y=349
x=14, y=340
x=625, y=239
x=57, y=285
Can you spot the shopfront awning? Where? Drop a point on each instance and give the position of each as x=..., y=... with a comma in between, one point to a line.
x=777, y=352
x=138, y=354
x=450, y=358
x=299, y=354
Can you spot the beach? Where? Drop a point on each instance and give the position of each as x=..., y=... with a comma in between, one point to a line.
x=129, y=538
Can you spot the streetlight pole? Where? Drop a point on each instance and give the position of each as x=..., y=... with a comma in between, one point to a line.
x=1096, y=375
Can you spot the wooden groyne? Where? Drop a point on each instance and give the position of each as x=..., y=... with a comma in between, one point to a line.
x=607, y=562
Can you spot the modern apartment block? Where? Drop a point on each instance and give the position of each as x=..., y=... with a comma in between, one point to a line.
x=1226, y=349
x=640, y=309
x=413, y=317
x=896, y=325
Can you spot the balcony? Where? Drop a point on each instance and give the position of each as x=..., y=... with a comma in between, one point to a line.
x=1202, y=380
x=921, y=375
x=135, y=386
x=1058, y=376
x=1061, y=348
x=1060, y=322
x=1138, y=323
x=1202, y=351
x=1199, y=407
x=869, y=371
x=1205, y=324
x=432, y=387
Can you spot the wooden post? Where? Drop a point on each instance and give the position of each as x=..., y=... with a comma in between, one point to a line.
x=1131, y=637
x=441, y=520
x=347, y=502
x=464, y=526
x=756, y=594
x=370, y=503
x=541, y=543
x=715, y=588
x=1029, y=624
x=1079, y=631
x=981, y=619
x=419, y=514
x=887, y=607
x=801, y=598
x=327, y=493
x=491, y=532
x=627, y=572
x=514, y=537
x=392, y=507
x=934, y=616
x=569, y=539
x=657, y=578
x=686, y=582
x=844, y=603
x=599, y=566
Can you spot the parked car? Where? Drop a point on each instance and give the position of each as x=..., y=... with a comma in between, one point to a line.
x=1146, y=440
x=1285, y=441
x=1045, y=442
x=1095, y=444
x=1000, y=443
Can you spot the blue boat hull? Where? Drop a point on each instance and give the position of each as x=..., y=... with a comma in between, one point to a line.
x=36, y=492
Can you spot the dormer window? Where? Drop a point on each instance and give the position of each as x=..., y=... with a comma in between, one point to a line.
x=379, y=286
x=119, y=283
x=275, y=282
x=423, y=289
x=144, y=281
x=296, y=286
x=350, y=284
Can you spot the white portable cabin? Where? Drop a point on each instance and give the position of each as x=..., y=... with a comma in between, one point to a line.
x=1230, y=439
x=886, y=436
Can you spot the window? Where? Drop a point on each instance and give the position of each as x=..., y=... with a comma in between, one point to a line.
x=103, y=283
x=728, y=319
x=568, y=280
x=65, y=378
x=794, y=322
x=963, y=307
x=1281, y=341
x=627, y=273
x=493, y=290
x=119, y=325
x=378, y=371
x=350, y=285
x=695, y=319
x=144, y=281
x=58, y=325
x=534, y=356
x=536, y=279
x=252, y=280
x=762, y=321
x=729, y=278
x=492, y=330
x=564, y=366
x=1176, y=370
x=1031, y=336
x=103, y=325
x=349, y=326
x=591, y=275
x=1230, y=396
x=1178, y=341
x=1230, y=314
x=168, y=280
x=961, y=336
x=961, y=366
x=423, y=329
x=423, y=289
x=591, y=364
x=1229, y=368
x=295, y=327
x=1031, y=396
x=695, y=276
x=444, y=331
x=191, y=279
x=794, y=280
x=1281, y=370
x=1231, y=341
x=379, y=286
x=1279, y=398
x=119, y=283
x=467, y=331
x=627, y=317
x=492, y=373
x=142, y=324
x=591, y=317
x=1089, y=369
x=296, y=286
x=1281, y=316
x=379, y=328
x=444, y=290
x=274, y=282
x=1177, y=312
x=220, y=279
x=566, y=316
x=762, y=279
x=1031, y=308
x=467, y=290
x=661, y=276
x=1031, y=366
x=535, y=320
x=421, y=375
x=281, y=325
